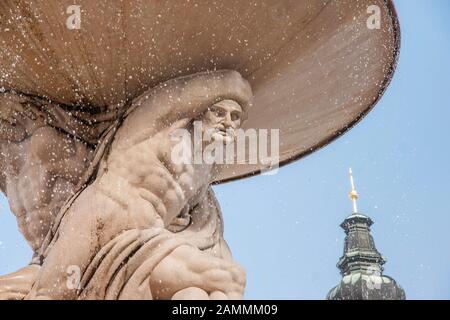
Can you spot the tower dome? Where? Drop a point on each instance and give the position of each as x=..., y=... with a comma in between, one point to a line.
x=361, y=265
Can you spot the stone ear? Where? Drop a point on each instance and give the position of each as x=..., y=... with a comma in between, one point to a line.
x=10, y=127
x=11, y=132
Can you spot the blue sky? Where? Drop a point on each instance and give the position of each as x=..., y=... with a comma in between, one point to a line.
x=284, y=229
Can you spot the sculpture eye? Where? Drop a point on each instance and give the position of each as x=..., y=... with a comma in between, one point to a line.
x=235, y=116
x=219, y=112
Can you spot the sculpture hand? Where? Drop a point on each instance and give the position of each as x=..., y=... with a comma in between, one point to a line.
x=188, y=267
x=17, y=285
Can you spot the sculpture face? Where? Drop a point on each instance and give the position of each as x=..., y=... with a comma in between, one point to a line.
x=224, y=118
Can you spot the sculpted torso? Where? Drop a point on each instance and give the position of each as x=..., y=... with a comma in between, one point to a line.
x=138, y=187
x=39, y=174
x=146, y=170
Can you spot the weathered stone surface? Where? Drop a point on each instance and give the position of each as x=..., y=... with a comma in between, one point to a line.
x=86, y=116
x=314, y=66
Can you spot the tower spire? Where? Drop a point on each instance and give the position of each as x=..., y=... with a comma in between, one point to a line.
x=353, y=193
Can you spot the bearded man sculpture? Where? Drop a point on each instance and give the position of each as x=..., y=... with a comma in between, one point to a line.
x=139, y=225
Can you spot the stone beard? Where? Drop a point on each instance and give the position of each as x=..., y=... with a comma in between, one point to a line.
x=144, y=227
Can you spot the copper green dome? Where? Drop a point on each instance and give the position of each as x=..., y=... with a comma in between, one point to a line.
x=361, y=266
x=363, y=286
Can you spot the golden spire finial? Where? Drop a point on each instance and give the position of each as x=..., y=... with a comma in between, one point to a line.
x=353, y=193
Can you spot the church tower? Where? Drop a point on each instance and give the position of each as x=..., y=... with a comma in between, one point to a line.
x=361, y=264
